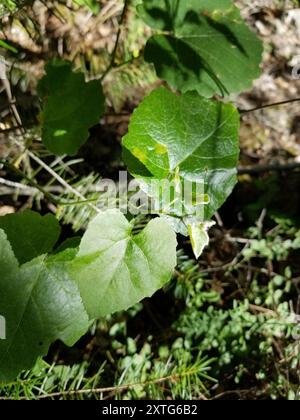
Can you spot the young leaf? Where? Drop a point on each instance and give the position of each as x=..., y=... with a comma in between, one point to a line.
x=70, y=107
x=40, y=304
x=115, y=269
x=199, y=236
x=186, y=137
x=30, y=234
x=206, y=46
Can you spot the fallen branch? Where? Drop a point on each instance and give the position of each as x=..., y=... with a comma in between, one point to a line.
x=272, y=167
x=257, y=108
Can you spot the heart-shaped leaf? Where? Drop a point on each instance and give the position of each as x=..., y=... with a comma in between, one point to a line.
x=115, y=269
x=70, y=107
x=186, y=138
x=39, y=304
x=206, y=46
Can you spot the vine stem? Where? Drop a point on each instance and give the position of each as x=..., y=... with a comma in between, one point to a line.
x=114, y=53
x=288, y=101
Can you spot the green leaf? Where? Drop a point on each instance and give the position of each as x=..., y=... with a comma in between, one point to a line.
x=186, y=138
x=70, y=107
x=40, y=305
x=199, y=236
x=206, y=46
x=177, y=224
x=30, y=234
x=115, y=269
x=169, y=14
